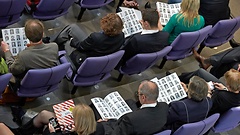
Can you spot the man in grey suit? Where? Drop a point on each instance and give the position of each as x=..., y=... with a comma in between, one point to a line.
x=36, y=55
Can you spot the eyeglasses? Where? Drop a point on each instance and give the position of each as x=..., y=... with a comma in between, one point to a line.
x=138, y=94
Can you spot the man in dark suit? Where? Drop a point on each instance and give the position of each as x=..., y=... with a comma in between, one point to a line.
x=96, y=44
x=192, y=109
x=149, y=119
x=149, y=40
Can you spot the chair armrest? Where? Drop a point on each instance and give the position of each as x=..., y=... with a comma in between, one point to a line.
x=72, y=66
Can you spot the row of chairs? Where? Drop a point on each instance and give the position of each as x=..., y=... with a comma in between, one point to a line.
x=11, y=10
x=216, y=123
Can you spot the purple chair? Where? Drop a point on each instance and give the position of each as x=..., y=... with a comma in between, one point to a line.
x=142, y=62
x=91, y=4
x=184, y=43
x=4, y=79
x=221, y=33
x=10, y=11
x=51, y=9
x=93, y=70
x=197, y=128
x=227, y=121
x=38, y=82
x=165, y=132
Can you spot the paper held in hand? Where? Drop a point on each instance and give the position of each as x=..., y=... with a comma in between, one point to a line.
x=112, y=106
x=63, y=112
x=170, y=88
x=16, y=39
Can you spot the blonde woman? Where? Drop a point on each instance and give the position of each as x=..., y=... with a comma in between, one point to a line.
x=186, y=20
x=83, y=117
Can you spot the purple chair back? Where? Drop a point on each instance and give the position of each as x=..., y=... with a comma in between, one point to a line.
x=51, y=9
x=227, y=121
x=165, y=132
x=10, y=11
x=197, y=128
x=38, y=82
x=141, y=62
x=182, y=46
x=96, y=69
x=4, y=79
x=222, y=32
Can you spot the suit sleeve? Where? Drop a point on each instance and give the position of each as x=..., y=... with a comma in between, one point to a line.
x=130, y=49
x=85, y=45
x=16, y=66
x=123, y=127
x=173, y=113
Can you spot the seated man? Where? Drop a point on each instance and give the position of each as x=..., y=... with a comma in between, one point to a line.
x=37, y=55
x=223, y=97
x=149, y=40
x=149, y=119
x=96, y=44
x=221, y=62
x=184, y=111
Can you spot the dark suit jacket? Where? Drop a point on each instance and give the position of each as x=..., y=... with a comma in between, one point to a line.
x=223, y=101
x=144, y=121
x=145, y=43
x=214, y=10
x=187, y=111
x=98, y=44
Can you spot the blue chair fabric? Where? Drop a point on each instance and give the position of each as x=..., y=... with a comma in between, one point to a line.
x=4, y=80
x=165, y=132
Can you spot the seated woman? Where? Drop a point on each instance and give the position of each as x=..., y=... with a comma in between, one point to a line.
x=83, y=117
x=96, y=44
x=184, y=111
x=186, y=20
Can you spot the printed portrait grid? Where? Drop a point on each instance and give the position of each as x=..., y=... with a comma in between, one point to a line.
x=16, y=39
x=131, y=24
x=112, y=106
x=170, y=88
x=167, y=10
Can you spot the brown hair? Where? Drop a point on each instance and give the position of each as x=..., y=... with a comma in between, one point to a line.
x=84, y=119
x=197, y=88
x=111, y=24
x=151, y=16
x=34, y=30
x=233, y=79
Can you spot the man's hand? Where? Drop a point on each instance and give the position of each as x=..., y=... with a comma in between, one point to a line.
x=101, y=120
x=130, y=3
x=184, y=86
x=4, y=46
x=219, y=86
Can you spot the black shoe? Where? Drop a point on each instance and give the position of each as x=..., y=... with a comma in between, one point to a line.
x=233, y=43
x=147, y=5
x=17, y=113
x=118, y=10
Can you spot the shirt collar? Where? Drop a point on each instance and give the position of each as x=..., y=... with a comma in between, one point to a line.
x=149, y=31
x=148, y=105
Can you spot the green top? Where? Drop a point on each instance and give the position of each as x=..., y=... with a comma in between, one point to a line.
x=174, y=28
x=3, y=66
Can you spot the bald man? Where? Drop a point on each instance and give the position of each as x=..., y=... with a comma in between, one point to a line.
x=149, y=119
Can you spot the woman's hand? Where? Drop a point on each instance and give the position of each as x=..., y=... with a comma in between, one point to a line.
x=219, y=86
x=51, y=128
x=184, y=86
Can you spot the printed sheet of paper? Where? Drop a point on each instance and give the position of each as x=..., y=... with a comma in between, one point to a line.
x=170, y=88
x=16, y=39
x=167, y=10
x=131, y=22
x=63, y=112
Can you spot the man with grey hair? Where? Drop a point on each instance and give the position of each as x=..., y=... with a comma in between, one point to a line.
x=184, y=111
x=149, y=119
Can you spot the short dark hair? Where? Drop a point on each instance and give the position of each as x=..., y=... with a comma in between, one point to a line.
x=150, y=90
x=151, y=16
x=197, y=88
x=111, y=24
x=34, y=30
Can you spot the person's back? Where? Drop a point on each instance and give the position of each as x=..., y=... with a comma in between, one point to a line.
x=186, y=20
x=214, y=10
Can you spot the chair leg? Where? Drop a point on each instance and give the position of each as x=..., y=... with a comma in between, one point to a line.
x=81, y=13
x=74, y=89
x=200, y=48
x=164, y=60
x=120, y=77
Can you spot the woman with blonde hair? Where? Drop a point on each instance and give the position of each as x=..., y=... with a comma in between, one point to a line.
x=186, y=20
x=83, y=117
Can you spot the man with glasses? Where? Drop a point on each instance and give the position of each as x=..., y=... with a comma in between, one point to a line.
x=149, y=119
